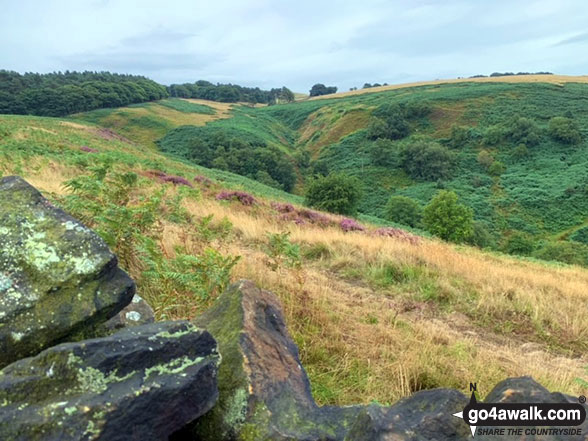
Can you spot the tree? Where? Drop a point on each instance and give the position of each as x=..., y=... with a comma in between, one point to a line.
x=564, y=130
x=336, y=193
x=424, y=159
x=320, y=89
x=446, y=218
x=403, y=210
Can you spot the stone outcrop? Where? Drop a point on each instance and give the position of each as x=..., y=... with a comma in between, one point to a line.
x=424, y=416
x=264, y=392
x=57, y=277
x=136, y=313
x=142, y=383
x=527, y=390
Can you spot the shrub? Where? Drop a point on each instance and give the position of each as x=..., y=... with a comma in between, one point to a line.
x=384, y=152
x=485, y=159
x=460, y=136
x=282, y=252
x=493, y=135
x=564, y=130
x=428, y=160
x=580, y=235
x=396, y=233
x=336, y=193
x=523, y=130
x=497, y=168
x=519, y=243
x=481, y=237
x=446, y=218
x=241, y=196
x=521, y=151
x=404, y=210
x=568, y=252
x=348, y=225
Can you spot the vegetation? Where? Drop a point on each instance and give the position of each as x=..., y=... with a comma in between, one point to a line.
x=564, y=130
x=446, y=218
x=58, y=94
x=403, y=210
x=427, y=313
x=230, y=93
x=320, y=89
x=335, y=193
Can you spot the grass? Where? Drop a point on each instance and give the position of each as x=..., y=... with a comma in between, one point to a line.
x=146, y=123
x=375, y=318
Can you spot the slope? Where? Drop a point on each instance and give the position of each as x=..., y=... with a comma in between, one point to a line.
x=377, y=313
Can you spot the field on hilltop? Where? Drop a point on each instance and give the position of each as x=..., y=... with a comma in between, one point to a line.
x=377, y=312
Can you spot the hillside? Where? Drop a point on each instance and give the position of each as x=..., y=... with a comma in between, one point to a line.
x=377, y=313
x=526, y=186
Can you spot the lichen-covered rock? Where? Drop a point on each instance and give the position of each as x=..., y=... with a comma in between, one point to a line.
x=136, y=313
x=57, y=277
x=264, y=392
x=527, y=390
x=142, y=383
x=425, y=416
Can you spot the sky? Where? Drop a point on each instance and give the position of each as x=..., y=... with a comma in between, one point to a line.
x=298, y=43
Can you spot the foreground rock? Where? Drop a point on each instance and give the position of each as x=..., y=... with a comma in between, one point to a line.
x=264, y=393
x=140, y=384
x=136, y=313
x=57, y=277
x=527, y=390
x=426, y=415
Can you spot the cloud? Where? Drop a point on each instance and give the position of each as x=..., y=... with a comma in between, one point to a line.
x=578, y=38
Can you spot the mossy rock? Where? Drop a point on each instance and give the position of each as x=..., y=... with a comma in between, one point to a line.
x=264, y=392
x=143, y=383
x=57, y=277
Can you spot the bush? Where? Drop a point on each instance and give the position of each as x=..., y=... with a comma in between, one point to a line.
x=564, y=130
x=428, y=160
x=497, y=168
x=384, y=152
x=404, y=210
x=336, y=193
x=446, y=218
x=523, y=130
x=580, y=235
x=519, y=243
x=461, y=136
x=485, y=159
x=568, y=252
x=481, y=237
x=521, y=151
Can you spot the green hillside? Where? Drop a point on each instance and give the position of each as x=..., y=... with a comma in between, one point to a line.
x=527, y=183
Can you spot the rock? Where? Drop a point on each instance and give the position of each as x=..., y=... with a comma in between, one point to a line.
x=138, y=312
x=527, y=390
x=57, y=277
x=264, y=392
x=142, y=383
x=426, y=415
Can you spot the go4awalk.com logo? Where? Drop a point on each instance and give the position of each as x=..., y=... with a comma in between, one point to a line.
x=518, y=419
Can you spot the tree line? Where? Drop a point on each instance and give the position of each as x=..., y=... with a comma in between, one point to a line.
x=230, y=93
x=64, y=93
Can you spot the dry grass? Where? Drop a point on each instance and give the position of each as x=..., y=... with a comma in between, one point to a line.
x=360, y=343
x=553, y=79
x=463, y=316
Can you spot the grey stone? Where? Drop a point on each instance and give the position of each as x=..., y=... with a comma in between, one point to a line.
x=57, y=277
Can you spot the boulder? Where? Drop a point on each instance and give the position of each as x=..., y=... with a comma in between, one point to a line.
x=136, y=313
x=142, y=383
x=57, y=277
x=527, y=390
x=426, y=415
x=264, y=392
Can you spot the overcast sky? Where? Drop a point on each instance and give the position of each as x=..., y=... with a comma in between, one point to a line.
x=271, y=43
